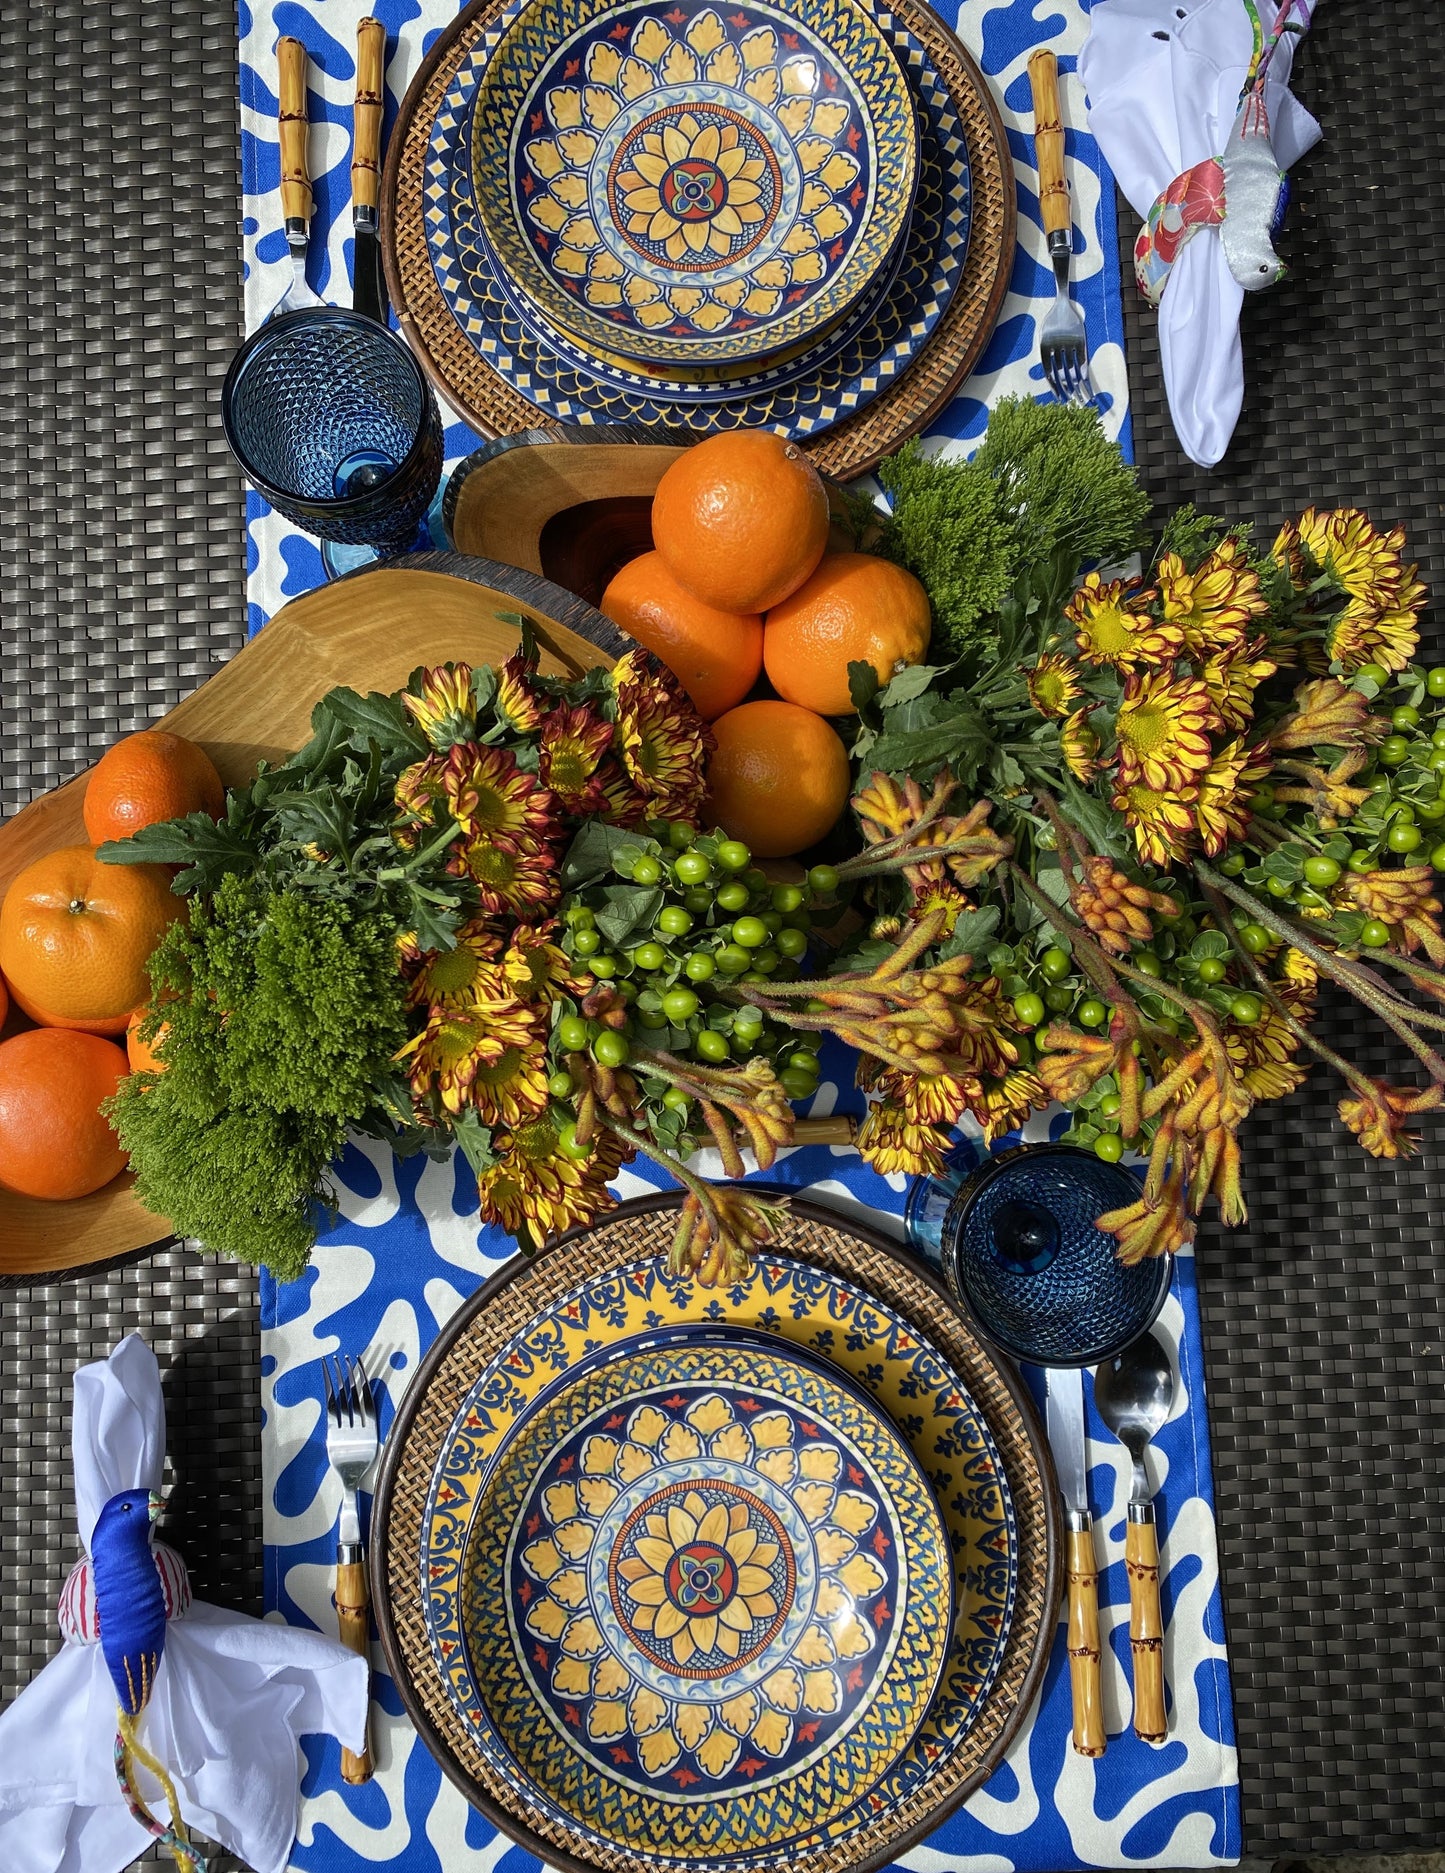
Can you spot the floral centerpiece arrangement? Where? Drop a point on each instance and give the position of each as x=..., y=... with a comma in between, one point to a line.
x=1101, y=849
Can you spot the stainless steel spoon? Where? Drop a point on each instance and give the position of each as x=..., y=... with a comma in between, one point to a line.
x=1134, y=1393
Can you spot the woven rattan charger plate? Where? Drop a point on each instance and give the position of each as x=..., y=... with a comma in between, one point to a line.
x=856, y=444
x=490, y=1322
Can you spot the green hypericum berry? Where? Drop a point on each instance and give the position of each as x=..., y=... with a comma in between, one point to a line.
x=646, y=870
x=1056, y=964
x=700, y=968
x=708, y=1044
x=673, y=920
x=797, y=1085
x=733, y=855
x=1403, y=837
x=1092, y=1014
x=1362, y=861
x=1322, y=871
x=692, y=868
x=824, y=880
x=559, y=1085
x=1435, y=680
x=765, y=961
x=750, y=933
x=1246, y=1009
x=698, y=899
x=679, y=837
x=1030, y=1009
x=1058, y=1000
x=567, y=1141
x=1278, y=887
x=732, y=959
x=748, y=1020
x=1431, y=811
x=1435, y=760
x=1405, y=718
x=1255, y=938
x=1212, y=969
x=572, y=1033
x=772, y=921
x=578, y=917
x=678, y=1004
x=652, y=1018
x=610, y=1049
x=603, y=967
x=787, y=898
x=802, y=1061
x=649, y=956
x=1232, y=864
x=676, y=1100
x=1109, y=1146
x=1110, y=1104
x=793, y=944
x=1377, y=672
x=586, y=942
x=1437, y=734
x=733, y=895
x=1394, y=751
x=1375, y=935
x=1437, y=858
x=756, y=879
x=1147, y=963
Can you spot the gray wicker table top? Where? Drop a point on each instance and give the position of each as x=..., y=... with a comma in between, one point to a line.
x=1323, y=1318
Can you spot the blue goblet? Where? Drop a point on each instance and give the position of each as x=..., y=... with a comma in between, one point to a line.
x=1018, y=1245
x=332, y=419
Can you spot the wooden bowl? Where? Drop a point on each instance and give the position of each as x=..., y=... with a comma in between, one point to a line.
x=572, y=503
x=369, y=631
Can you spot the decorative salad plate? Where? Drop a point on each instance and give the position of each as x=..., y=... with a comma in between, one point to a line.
x=598, y=1343
x=718, y=1576
x=693, y=183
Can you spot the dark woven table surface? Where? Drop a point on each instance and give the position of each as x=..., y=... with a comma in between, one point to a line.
x=1323, y=1318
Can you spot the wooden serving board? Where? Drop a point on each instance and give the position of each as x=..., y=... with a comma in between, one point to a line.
x=369, y=631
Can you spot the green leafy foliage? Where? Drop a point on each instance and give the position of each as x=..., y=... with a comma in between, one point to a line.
x=948, y=528
x=1061, y=482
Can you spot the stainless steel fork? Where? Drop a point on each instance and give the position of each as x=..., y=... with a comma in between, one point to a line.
x=351, y=1442
x=1063, y=345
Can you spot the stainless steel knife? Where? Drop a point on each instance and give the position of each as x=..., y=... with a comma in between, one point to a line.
x=1066, y=1439
x=368, y=293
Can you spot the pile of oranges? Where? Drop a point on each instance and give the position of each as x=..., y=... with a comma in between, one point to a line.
x=75, y=937
x=741, y=584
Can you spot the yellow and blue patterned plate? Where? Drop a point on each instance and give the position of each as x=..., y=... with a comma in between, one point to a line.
x=803, y=391
x=806, y=1312
x=718, y=1576
x=693, y=182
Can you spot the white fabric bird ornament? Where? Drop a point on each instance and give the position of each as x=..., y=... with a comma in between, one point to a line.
x=209, y=1705
x=1190, y=104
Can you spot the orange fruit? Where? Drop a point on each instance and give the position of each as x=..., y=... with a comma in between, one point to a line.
x=854, y=609
x=75, y=935
x=141, y=1054
x=149, y=777
x=42, y=1017
x=741, y=519
x=54, y=1139
x=715, y=655
x=778, y=779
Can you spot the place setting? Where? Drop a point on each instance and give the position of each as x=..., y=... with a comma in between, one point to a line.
x=738, y=910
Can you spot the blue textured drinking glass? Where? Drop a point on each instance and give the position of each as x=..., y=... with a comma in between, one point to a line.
x=332, y=419
x=1017, y=1243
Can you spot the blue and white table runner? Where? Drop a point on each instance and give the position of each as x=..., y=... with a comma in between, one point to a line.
x=409, y=1247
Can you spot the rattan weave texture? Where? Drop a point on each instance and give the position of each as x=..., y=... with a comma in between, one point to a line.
x=1324, y=1320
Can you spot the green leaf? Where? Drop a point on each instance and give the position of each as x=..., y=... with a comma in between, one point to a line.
x=960, y=741
x=1103, y=828
x=591, y=853
x=971, y=932
x=1287, y=862
x=910, y=683
x=862, y=684
x=205, y=848
x=1008, y=771
x=1209, y=943
x=622, y=909
x=367, y=719
x=475, y=1140
x=1051, y=881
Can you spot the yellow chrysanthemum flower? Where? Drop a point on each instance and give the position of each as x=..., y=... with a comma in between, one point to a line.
x=535, y=1188
x=510, y=876
x=458, y=977
x=444, y=711
x=1162, y=822
x=1079, y=746
x=1360, y=559
x=1054, y=685
x=1163, y=726
x=1113, y=625
x=1389, y=637
x=1006, y=1103
x=490, y=1054
x=1214, y=605
x=662, y=740
x=1263, y=1055
x=1233, y=677
x=1221, y=811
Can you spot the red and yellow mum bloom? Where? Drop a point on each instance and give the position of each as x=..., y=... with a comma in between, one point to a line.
x=513, y=876
x=490, y=1055
x=1163, y=725
x=457, y=977
x=518, y=702
x=574, y=744
x=1214, y=606
x=1263, y=1056
x=1079, y=746
x=1053, y=684
x=662, y=741
x=1221, y=811
x=488, y=793
x=1361, y=560
x=535, y=968
x=1161, y=821
x=1113, y=625
x=444, y=707
x=1232, y=679
x=537, y=1190
x=1389, y=637
x=1006, y=1103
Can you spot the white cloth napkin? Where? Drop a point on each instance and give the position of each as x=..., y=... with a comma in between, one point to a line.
x=1163, y=79
x=231, y=1699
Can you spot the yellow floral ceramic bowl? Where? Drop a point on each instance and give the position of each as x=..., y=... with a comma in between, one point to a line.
x=693, y=183
x=707, y=1597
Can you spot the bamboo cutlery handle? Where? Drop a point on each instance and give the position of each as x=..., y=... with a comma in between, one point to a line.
x=1049, y=141
x=295, y=173
x=353, y=1616
x=1146, y=1624
x=1084, y=1643
x=366, y=114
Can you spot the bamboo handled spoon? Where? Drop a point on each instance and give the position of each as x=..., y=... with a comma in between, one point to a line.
x=1134, y=1392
